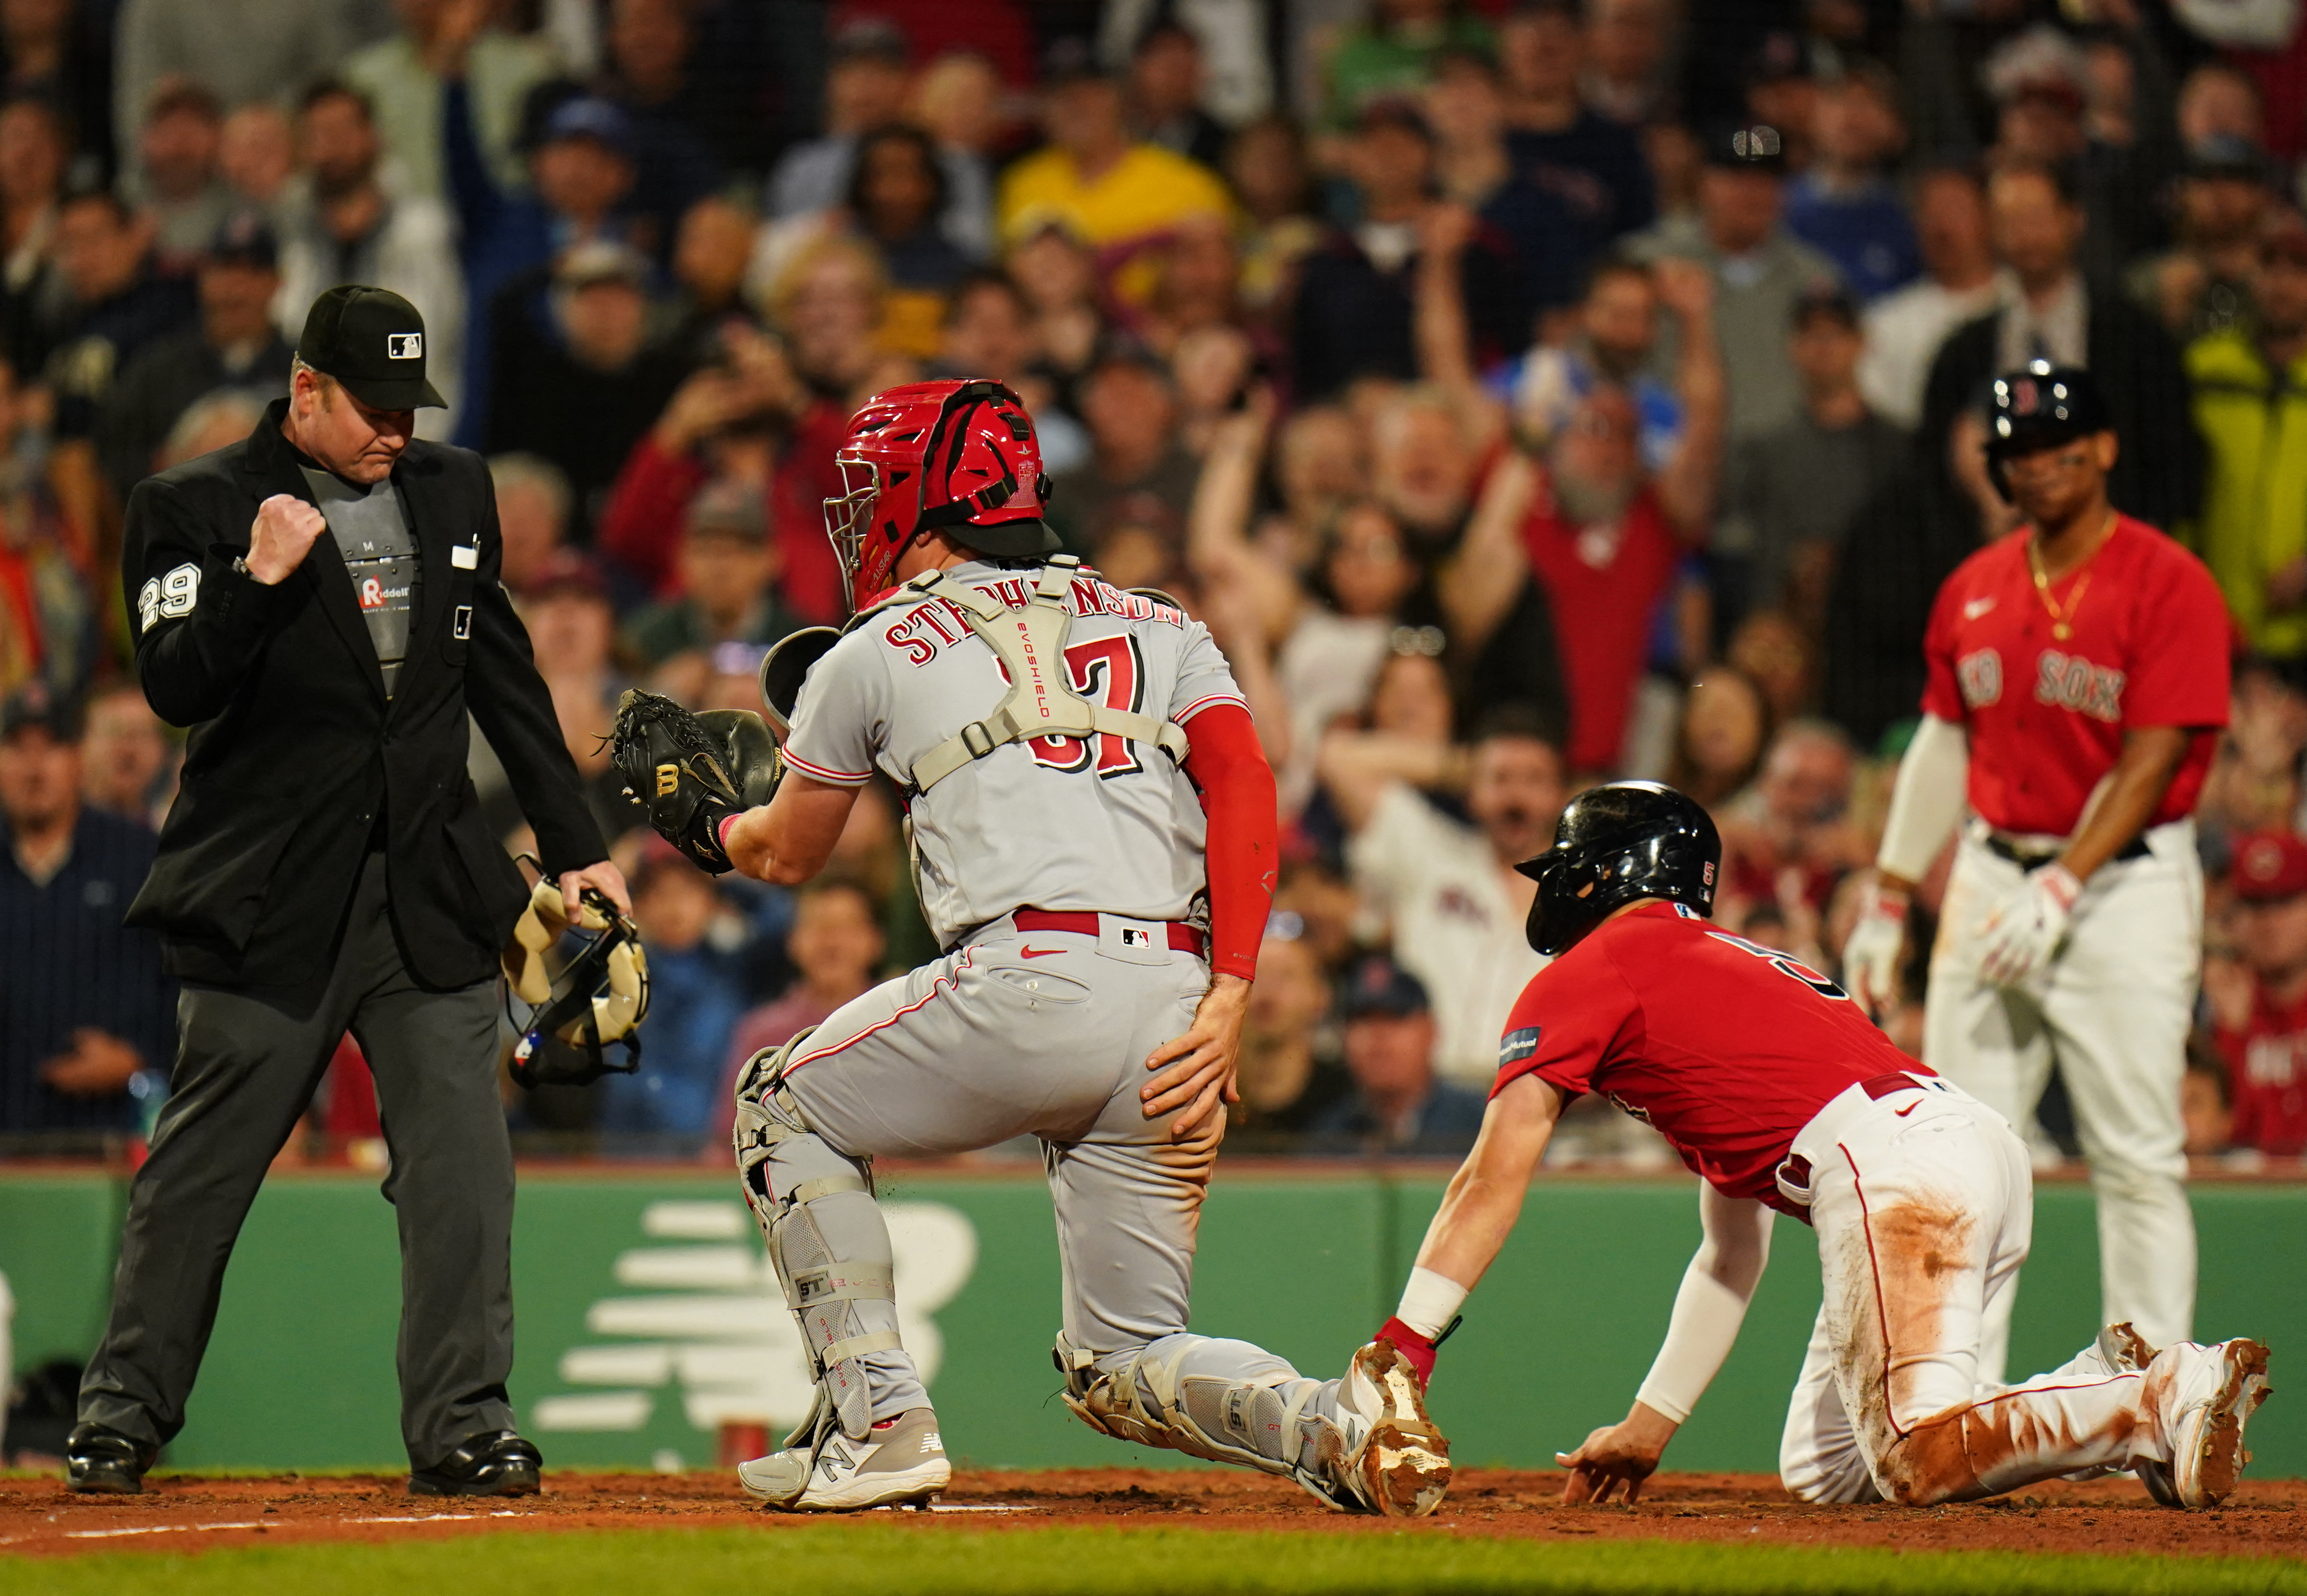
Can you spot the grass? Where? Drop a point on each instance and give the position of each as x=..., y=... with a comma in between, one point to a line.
x=890, y=1560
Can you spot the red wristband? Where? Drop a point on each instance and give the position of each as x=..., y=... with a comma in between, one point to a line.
x=721, y=832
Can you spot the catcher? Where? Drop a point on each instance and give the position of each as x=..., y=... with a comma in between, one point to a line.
x=1092, y=830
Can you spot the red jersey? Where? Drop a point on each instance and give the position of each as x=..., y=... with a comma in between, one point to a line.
x=2146, y=646
x=1724, y=1047
x=2267, y=1077
x=1603, y=584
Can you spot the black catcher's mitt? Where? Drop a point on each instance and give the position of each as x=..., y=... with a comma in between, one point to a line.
x=691, y=771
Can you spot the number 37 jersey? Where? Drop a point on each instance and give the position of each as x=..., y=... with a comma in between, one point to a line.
x=1100, y=823
x=1724, y=1047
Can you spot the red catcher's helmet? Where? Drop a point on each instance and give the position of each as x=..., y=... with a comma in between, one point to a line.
x=959, y=458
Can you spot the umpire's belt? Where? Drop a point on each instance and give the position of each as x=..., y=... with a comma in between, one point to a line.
x=1183, y=938
x=2027, y=855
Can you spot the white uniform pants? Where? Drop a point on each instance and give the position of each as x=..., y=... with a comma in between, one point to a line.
x=1923, y=1204
x=2113, y=1012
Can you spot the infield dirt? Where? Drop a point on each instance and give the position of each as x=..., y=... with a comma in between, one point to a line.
x=181, y=1514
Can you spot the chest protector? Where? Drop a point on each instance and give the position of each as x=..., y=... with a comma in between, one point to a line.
x=1031, y=645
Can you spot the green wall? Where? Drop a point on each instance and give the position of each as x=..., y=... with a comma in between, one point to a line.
x=656, y=1279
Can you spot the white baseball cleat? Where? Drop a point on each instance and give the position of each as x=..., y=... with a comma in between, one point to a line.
x=2209, y=1393
x=2122, y=1349
x=1401, y=1467
x=902, y=1461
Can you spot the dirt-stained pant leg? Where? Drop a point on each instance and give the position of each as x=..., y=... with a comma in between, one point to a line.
x=1041, y=1035
x=1923, y=1217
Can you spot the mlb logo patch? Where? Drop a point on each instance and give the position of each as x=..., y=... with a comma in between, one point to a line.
x=405, y=346
x=1137, y=936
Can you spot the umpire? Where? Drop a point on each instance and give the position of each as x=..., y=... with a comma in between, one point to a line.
x=320, y=603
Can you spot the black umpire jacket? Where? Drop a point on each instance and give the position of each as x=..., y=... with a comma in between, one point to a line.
x=295, y=750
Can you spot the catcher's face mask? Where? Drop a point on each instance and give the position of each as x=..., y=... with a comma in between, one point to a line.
x=601, y=996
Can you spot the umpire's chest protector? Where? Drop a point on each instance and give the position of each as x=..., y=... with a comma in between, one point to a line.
x=295, y=752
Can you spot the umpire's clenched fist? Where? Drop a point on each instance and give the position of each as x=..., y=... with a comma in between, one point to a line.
x=281, y=536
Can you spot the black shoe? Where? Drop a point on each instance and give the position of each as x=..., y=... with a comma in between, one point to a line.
x=105, y=1463
x=488, y=1465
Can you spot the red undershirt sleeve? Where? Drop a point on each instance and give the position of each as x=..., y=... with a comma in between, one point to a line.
x=1237, y=787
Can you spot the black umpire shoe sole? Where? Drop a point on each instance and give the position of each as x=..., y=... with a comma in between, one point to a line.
x=104, y=1482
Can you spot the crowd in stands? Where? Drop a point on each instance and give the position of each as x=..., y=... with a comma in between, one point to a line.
x=1524, y=392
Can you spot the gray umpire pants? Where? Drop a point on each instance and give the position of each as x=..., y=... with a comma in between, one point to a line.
x=246, y=1069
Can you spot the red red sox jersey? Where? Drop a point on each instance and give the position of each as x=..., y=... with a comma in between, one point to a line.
x=2267, y=1079
x=1724, y=1047
x=2145, y=645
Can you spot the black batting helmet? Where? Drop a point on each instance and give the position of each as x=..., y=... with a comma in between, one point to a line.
x=1616, y=844
x=2038, y=406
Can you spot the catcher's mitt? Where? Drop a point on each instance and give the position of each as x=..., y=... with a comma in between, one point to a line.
x=691, y=772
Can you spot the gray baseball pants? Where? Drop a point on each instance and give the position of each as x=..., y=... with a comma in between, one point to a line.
x=1043, y=1035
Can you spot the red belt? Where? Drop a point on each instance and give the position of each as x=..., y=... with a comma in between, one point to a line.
x=1183, y=938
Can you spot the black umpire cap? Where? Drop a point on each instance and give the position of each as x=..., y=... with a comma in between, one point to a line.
x=372, y=341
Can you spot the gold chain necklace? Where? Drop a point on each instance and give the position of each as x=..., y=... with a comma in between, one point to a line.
x=2062, y=620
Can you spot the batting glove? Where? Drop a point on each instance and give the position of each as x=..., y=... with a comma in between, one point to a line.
x=1870, y=954
x=2021, y=936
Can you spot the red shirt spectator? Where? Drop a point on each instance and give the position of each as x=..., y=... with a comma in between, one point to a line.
x=2265, y=1050
x=1603, y=578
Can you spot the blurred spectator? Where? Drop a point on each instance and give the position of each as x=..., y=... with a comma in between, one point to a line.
x=2254, y=781
x=1718, y=744
x=238, y=50
x=1391, y=54
x=1291, y=1071
x=48, y=614
x=1234, y=65
x=2206, y=1101
x=1266, y=165
x=2055, y=314
x=233, y=345
x=1448, y=886
x=1786, y=840
x=897, y=192
x=2203, y=282
x=61, y=53
x=256, y=156
x=1779, y=77
x=956, y=99
x=85, y=1008
x=1610, y=341
x=406, y=79
x=2250, y=408
x=352, y=230
x=651, y=44
x=33, y=148
x=1131, y=411
x=1779, y=657
x=712, y=249
x=988, y=332
x=695, y=1000
x=865, y=88
x=1960, y=283
x=1117, y=194
x=1399, y=1106
x=837, y=944
x=2221, y=99
x=224, y=415
x=580, y=173
x=117, y=304
x=175, y=178
x=1798, y=489
x=1628, y=57
x=1165, y=95
x=1760, y=269
x=1467, y=110
x=532, y=509
x=580, y=385
x=727, y=570
x=1358, y=294
x=1593, y=164
x=128, y=762
x=572, y=630
x=2265, y=1050
x=1842, y=206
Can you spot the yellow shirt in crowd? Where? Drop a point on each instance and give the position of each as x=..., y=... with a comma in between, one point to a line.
x=1147, y=191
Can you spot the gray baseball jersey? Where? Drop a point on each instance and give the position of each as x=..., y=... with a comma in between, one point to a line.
x=1054, y=823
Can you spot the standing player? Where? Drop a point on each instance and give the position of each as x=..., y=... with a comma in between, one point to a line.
x=1092, y=828
x=2078, y=678
x=1780, y=1093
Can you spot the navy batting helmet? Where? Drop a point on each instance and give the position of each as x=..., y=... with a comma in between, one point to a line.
x=1613, y=845
x=2038, y=406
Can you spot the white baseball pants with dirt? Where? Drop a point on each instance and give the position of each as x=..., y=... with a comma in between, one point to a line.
x=1043, y=1035
x=1923, y=1200
x=2113, y=1012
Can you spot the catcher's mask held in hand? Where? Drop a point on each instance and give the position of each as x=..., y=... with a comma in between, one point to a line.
x=601, y=996
x=959, y=458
